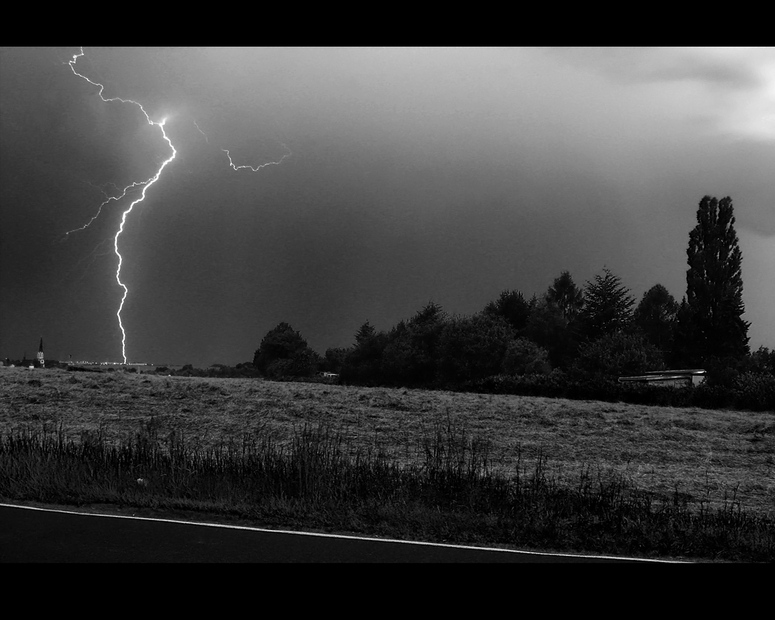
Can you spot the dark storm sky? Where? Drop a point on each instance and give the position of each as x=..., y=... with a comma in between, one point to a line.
x=415, y=174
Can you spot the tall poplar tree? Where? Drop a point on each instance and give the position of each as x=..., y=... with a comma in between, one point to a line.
x=713, y=324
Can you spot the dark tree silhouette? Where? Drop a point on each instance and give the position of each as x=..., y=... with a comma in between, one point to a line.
x=472, y=348
x=712, y=324
x=512, y=306
x=618, y=353
x=655, y=316
x=362, y=363
x=284, y=352
x=568, y=297
x=524, y=356
x=365, y=334
x=548, y=327
x=410, y=354
x=607, y=306
x=333, y=359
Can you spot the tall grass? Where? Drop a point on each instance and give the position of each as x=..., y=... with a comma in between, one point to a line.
x=448, y=491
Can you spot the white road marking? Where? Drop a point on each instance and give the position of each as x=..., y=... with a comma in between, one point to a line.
x=343, y=536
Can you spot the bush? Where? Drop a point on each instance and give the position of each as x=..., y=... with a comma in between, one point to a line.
x=524, y=357
x=761, y=360
x=618, y=354
x=755, y=391
x=595, y=387
x=722, y=372
x=472, y=348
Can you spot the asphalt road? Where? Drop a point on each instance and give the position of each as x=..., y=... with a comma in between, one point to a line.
x=38, y=535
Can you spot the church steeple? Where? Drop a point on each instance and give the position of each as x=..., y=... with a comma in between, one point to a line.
x=41, y=361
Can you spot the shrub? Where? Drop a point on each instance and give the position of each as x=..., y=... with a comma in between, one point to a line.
x=618, y=354
x=472, y=348
x=595, y=387
x=711, y=396
x=524, y=357
x=721, y=372
x=755, y=391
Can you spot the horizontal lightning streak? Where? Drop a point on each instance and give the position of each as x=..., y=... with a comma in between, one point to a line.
x=257, y=168
x=234, y=166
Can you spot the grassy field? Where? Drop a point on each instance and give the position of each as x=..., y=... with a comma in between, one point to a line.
x=708, y=458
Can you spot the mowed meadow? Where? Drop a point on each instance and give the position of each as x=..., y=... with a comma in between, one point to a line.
x=708, y=458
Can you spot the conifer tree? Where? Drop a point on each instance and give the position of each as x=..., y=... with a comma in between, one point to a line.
x=362, y=363
x=607, y=306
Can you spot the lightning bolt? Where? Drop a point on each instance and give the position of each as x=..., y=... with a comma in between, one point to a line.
x=145, y=185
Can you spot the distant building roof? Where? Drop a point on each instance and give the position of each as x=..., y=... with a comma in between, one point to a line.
x=692, y=376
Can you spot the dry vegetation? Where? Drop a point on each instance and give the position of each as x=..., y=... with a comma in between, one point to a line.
x=712, y=456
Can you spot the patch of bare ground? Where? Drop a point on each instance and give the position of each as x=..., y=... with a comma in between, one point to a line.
x=711, y=456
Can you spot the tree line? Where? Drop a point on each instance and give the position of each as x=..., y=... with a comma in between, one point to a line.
x=568, y=336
